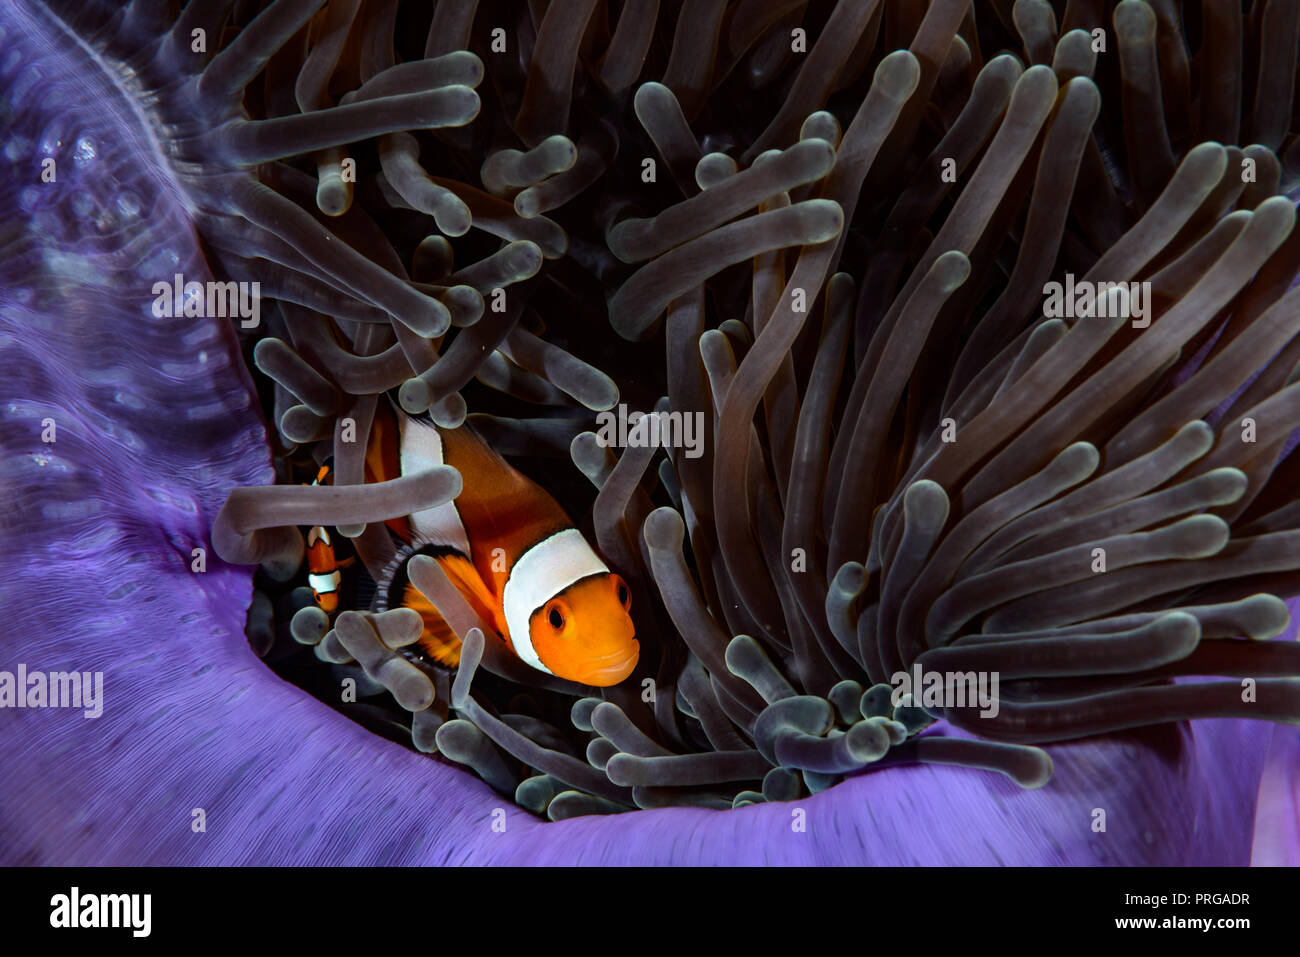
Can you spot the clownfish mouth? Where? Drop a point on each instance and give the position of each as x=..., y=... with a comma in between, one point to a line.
x=609, y=669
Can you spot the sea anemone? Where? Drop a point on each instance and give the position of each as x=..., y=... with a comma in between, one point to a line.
x=560, y=210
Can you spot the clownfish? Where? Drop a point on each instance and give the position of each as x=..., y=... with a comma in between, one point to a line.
x=510, y=550
x=323, y=571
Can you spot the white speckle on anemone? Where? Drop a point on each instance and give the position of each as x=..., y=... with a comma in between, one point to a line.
x=118, y=433
x=43, y=461
x=23, y=85
x=160, y=262
x=52, y=140
x=84, y=151
x=128, y=204
x=199, y=334
x=182, y=503
x=17, y=148
x=71, y=511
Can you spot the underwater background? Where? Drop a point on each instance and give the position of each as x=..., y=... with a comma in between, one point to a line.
x=827, y=230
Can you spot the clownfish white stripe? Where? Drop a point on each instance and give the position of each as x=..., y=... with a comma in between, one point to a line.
x=421, y=448
x=540, y=574
x=318, y=534
x=324, y=584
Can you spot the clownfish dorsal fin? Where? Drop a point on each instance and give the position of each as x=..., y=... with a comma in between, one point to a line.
x=476, y=437
x=382, y=458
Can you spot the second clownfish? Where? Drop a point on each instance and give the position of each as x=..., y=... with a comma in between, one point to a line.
x=512, y=553
x=323, y=574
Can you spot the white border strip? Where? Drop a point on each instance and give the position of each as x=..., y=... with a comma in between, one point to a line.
x=541, y=573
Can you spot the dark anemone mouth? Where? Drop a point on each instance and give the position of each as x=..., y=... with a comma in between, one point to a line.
x=840, y=264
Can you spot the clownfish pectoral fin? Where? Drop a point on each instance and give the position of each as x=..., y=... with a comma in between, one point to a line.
x=347, y=562
x=462, y=573
x=438, y=640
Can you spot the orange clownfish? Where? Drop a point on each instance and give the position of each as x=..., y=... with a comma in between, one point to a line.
x=323, y=573
x=511, y=552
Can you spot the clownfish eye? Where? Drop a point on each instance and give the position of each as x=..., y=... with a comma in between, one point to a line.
x=556, y=619
x=624, y=597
